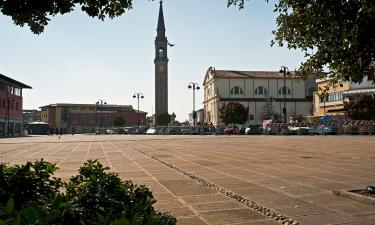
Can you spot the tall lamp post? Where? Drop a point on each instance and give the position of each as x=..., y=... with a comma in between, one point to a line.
x=285, y=71
x=100, y=103
x=138, y=96
x=194, y=86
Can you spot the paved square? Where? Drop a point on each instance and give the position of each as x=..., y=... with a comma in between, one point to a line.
x=226, y=180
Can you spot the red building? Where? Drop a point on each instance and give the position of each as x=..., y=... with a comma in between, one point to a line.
x=86, y=118
x=11, y=106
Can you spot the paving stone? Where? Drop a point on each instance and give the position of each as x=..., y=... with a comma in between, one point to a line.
x=231, y=216
x=207, y=198
x=190, y=221
x=215, y=206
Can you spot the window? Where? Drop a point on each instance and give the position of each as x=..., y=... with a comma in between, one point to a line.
x=236, y=91
x=2, y=86
x=17, y=91
x=161, y=52
x=284, y=91
x=251, y=117
x=261, y=91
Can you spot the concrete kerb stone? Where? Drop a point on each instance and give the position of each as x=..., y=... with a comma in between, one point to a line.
x=246, y=202
x=354, y=196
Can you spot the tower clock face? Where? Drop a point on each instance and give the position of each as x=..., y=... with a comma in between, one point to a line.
x=161, y=52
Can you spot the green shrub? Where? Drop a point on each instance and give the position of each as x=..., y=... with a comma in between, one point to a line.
x=30, y=195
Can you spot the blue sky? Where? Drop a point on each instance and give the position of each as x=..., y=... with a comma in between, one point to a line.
x=79, y=59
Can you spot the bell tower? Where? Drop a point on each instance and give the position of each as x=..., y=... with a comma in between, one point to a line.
x=161, y=66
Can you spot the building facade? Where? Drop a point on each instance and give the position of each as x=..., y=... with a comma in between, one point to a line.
x=11, y=102
x=30, y=116
x=87, y=118
x=199, y=117
x=258, y=90
x=337, y=93
x=161, y=66
x=333, y=102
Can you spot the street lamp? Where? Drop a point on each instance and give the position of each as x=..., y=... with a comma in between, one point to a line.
x=195, y=87
x=285, y=71
x=138, y=96
x=100, y=103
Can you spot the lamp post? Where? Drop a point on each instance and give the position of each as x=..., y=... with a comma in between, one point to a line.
x=100, y=103
x=194, y=86
x=138, y=96
x=285, y=71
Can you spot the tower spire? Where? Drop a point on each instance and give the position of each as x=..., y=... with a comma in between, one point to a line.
x=161, y=26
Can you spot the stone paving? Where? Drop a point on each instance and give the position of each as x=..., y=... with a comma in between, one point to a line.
x=226, y=180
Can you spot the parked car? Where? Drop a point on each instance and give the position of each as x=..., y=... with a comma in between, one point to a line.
x=151, y=130
x=172, y=130
x=323, y=130
x=186, y=130
x=231, y=130
x=242, y=130
x=109, y=131
x=141, y=130
x=247, y=131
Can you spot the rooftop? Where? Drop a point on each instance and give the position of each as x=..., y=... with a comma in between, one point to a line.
x=246, y=74
x=14, y=82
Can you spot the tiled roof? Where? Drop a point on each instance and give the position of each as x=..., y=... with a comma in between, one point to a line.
x=246, y=74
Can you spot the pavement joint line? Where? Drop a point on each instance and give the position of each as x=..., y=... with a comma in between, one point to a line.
x=87, y=151
x=270, y=213
x=68, y=154
x=44, y=149
x=106, y=157
x=183, y=202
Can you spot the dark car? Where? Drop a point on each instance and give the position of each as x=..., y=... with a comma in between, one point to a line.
x=231, y=130
x=172, y=130
x=242, y=130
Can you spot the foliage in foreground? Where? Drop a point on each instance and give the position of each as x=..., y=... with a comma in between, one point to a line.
x=333, y=34
x=30, y=195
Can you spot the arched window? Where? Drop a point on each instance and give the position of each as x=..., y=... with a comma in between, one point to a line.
x=284, y=90
x=236, y=91
x=261, y=91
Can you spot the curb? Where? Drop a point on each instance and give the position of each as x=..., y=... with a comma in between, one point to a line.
x=354, y=196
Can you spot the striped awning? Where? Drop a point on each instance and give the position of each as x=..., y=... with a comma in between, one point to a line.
x=331, y=123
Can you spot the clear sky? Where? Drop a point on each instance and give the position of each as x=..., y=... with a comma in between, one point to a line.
x=79, y=59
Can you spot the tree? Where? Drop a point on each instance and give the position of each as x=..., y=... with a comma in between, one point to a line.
x=361, y=107
x=37, y=14
x=163, y=119
x=119, y=121
x=333, y=34
x=233, y=113
x=323, y=94
x=267, y=109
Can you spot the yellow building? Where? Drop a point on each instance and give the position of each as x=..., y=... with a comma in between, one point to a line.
x=328, y=99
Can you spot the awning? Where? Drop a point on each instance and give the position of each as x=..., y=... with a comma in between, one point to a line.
x=349, y=93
